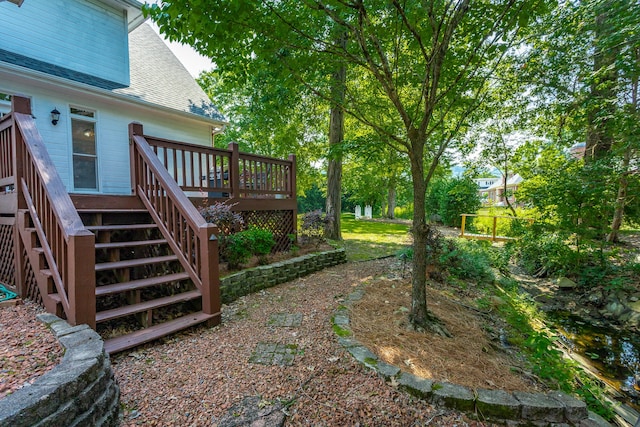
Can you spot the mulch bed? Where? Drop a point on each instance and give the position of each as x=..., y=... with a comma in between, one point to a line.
x=28, y=348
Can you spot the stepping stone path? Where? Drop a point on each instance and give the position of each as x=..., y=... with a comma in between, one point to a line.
x=286, y=320
x=252, y=411
x=274, y=354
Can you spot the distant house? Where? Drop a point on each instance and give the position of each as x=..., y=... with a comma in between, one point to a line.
x=483, y=186
x=495, y=193
x=104, y=138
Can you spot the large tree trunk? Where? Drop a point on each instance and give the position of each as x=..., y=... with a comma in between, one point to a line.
x=334, y=171
x=603, y=92
x=621, y=200
x=420, y=317
x=623, y=182
x=391, y=199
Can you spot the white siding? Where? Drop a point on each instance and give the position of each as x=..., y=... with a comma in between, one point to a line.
x=83, y=36
x=111, y=132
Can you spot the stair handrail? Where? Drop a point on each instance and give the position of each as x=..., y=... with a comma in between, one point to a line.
x=191, y=238
x=68, y=247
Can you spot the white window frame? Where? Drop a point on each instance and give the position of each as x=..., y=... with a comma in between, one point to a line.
x=93, y=120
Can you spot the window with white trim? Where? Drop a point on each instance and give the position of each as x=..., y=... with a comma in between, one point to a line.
x=84, y=149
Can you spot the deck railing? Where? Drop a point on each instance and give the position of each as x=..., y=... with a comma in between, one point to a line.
x=189, y=235
x=220, y=173
x=66, y=245
x=6, y=151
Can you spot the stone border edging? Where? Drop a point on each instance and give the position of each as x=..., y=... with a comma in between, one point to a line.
x=521, y=408
x=254, y=279
x=80, y=391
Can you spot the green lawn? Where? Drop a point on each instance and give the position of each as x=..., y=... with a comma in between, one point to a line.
x=368, y=239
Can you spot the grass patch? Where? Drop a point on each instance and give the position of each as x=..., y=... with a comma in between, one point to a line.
x=369, y=239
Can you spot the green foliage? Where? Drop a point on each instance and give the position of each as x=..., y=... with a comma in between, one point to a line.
x=545, y=360
x=404, y=212
x=312, y=200
x=467, y=259
x=237, y=248
x=545, y=252
x=261, y=242
x=451, y=197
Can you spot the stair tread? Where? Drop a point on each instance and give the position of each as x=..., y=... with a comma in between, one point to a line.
x=136, y=262
x=116, y=245
x=126, y=310
x=114, y=227
x=124, y=342
x=139, y=284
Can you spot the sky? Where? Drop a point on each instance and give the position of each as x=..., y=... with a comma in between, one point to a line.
x=192, y=61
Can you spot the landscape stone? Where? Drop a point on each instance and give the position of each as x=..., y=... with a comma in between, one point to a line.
x=594, y=420
x=565, y=283
x=497, y=404
x=416, y=386
x=386, y=370
x=539, y=407
x=363, y=355
x=634, y=305
x=574, y=409
x=453, y=396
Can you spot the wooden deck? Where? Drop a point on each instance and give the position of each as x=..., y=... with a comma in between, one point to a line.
x=148, y=260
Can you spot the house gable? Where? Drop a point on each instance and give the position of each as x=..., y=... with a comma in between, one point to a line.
x=84, y=41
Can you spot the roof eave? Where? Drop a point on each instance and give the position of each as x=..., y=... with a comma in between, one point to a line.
x=83, y=87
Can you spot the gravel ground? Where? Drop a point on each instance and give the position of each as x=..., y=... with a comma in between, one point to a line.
x=193, y=378
x=28, y=349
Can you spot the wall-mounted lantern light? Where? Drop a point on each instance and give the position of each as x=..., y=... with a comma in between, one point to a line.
x=55, y=116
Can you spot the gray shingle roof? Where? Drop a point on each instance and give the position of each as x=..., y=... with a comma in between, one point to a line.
x=158, y=77
x=56, y=70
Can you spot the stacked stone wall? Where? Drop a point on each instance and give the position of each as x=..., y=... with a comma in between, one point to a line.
x=252, y=280
x=80, y=391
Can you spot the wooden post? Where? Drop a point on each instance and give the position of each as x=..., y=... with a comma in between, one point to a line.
x=493, y=235
x=134, y=129
x=82, y=279
x=18, y=105
x=293, y=192
x=234, y=173
x=209, y=270
x=464, y=219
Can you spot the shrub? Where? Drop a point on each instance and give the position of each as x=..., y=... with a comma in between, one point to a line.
x=220, y=214
x=467, y=260
x=312, y=228
x=544, y=253
x=261, y=242
x=237, y=248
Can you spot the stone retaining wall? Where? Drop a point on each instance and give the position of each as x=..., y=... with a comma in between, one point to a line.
x=80, y=391
x=252, y=280
x=518, y=408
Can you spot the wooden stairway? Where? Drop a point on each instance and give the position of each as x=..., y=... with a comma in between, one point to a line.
x=141, y=288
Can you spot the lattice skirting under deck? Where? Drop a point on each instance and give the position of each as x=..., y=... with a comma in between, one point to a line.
x=278, y=222
x=7, y=257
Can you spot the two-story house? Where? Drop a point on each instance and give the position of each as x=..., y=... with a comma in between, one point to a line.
x=97, y=217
